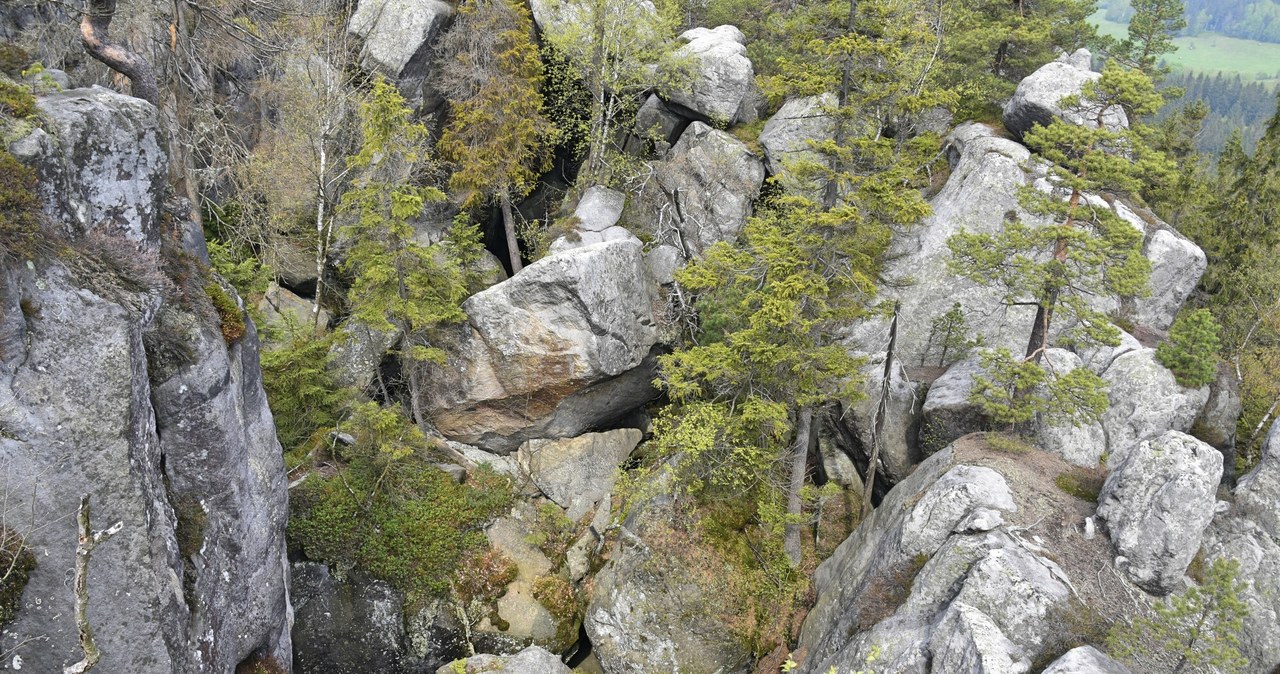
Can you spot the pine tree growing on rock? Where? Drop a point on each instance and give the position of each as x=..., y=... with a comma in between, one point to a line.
x=1084, y=251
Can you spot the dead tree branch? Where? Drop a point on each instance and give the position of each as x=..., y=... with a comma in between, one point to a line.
x=93, y=32
x=87, y=541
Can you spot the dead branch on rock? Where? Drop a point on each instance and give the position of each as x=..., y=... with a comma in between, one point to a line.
x=87, y=541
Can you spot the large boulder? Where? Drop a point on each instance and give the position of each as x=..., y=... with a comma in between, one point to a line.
x=722, y=89
x=101, y=164
x=1086, y=660
x=109, y=390
x=399, y=35
x=1082, y=444
x=1258, y=553
x=934, y=576
x=856, y=424
x=560, y=348
x=1038, y=97
x=948, y=414
x=703, y=192
x=1176, y=267
x=1258, y=493
x=532, y=660
x=1157, y=503
x=786, y=135
x=1217, y=422
x=1146, y=400
x=594, y=220
x=648, y=612
x=577, y=473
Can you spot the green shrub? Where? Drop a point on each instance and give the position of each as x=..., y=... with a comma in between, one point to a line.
x=230, y=318
x=561, y=601
x=553, y=533
x=16, y=99
x=1191, y=352
x=13, y=59
x=242, y=270
x=389, y=511
x=19, y=208
x=305, y=401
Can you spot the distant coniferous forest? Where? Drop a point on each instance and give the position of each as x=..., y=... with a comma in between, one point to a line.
x=1248, y=19
x=1233, y=104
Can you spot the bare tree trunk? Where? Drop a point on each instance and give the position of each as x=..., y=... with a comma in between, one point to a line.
x=509, y=225
x=97, y=42
x=882, y=412
x=799, y=461
x=87, y=541
x=322, y=232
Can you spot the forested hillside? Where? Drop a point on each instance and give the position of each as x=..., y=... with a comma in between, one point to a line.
x=1249, y=19
x=635, y=337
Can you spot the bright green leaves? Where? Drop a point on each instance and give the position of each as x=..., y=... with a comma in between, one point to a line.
x=1191, y=352
x=397, y=283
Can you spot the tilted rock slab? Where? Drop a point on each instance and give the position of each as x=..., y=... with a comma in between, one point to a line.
x=399, y=34
x=723, y=87
x=558, y=349
x=1157, y=503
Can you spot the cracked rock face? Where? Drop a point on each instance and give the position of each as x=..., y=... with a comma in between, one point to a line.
x=560, y=348
x=723, y=87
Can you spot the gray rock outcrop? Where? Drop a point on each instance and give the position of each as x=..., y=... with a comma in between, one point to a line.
x=933, y=577
x=1176, y=267
x=1146, y=400
x=552, y=352
x=722, y=88
x=576, y=473
x=1258, y=493
x=111, y=389
x=703, y=192
x=595, y=220
x=399, y=34
x=898, y=447
x=1157, y=503
x=786, y=135
x=1037, y=98
x=532, y=660
x=947, y=413
x=1086, y=660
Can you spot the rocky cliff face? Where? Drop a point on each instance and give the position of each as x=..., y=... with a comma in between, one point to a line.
x=117, y=382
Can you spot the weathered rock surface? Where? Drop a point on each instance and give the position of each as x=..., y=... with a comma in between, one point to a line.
x=595, y=220
x=399, y=34
x=1156, y=504
x=786, y=135
x=1146, y=400
x=978, y=599
x=532, y=660
x=1258, y=552
x=1176, y=267
x=657, y=123
x=947, y=413
x=283, y=309
x=1082, y=445
x=139, y=403
x=524, y=620
x=357, y=353
x=1086, y=660
x=556, y=350
x=578, y=472
x=1036, y=100
x=101, y=164
x=702, y=192
x=1258, y=493
x=723, y=85
x=354, y=625
x=645, y=615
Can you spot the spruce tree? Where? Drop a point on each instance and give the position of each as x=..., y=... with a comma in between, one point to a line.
x=498, y=139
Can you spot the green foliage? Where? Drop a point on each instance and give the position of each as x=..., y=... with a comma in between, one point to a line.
x=304, y=399
x=1151, y=31
x=398, y=283
x=483, y=576
x=230, y=317
x=1016, y=390
x=553, y=533
x=1191, y=352
x=561, y=601
x=948, y=337
x=19, y=209
x=16, y=564
x=1199, y=628
x=1082, y=483
x=241, y=269
x=13, y=59
x=991, y=45
x=16, y=99
x=392, y=513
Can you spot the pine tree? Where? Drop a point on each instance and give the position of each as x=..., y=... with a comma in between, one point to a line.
x=1191, y=352
x=1198, y=629
x=1151, y=32
x=746, y=401
x=498, y=139
x=1085, y=251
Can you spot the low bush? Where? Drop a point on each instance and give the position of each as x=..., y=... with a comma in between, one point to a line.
x=230, y=318
x=1082, y=483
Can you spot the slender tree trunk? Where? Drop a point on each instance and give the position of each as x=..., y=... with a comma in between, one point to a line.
x=322, y=235
x=882, y=413
x=93, y=33
x=799, y=461
x=509, y=225
x=831, y=192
